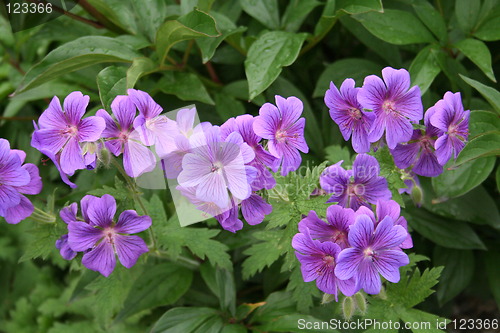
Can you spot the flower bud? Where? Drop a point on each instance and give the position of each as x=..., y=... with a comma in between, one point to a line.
x=327, y=298
x=348, y=308
x=360, y=302
x=104, y=156
x=417, y=195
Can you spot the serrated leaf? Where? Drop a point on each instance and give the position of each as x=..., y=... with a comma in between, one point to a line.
x=479, y=54
x=336, y=153
x=268, y=55
x=195, y=24
x=111, y=81
x=395, y=26
x=75, y=55
x=391, y=172
x=303, y=293
x=262, y=254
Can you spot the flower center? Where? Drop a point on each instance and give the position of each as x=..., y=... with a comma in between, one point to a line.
x=355, y=190
x=109, y=235
x=369, y=253
x=329, y=260
x=354, y=113
x=123, y=136
x=388, y=107
x=281, y=136
x=70, y=130
x=217, y=167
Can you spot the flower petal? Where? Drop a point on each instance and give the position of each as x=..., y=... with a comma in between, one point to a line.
x=388, y=263
x=137, y=159
x=100, y=259
x=53, y=117
x=101, y=211
x=387, y=235
x=68, y=214
x=72, y=157
x=130, y=222
x=254, y=209
x=91, y=128
x=82, y=236
x=75, y=105
x=129, y=249
x=16, y=214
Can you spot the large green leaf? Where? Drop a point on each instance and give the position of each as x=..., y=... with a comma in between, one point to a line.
x=266, y=57
x=424, y=68
x=493, y=272
x=457, y=273
x=152, y=289
x=264, y=11
x=342, y=69
x=460, y=180
x=467, y=14
x=487, y=144
x=195, y=24
x=77, y=54
x=296, y=12
x=184, y=320
x=431, y=18
x=140, y=67
x=111, y=81
x=186, y=86
x=359, y=6
x=479, y=54
x=490, y=94
x=447, y=233
x=488, y=30
x=395, y=27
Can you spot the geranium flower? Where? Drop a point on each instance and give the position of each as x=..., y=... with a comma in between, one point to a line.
x=395, y=105
x=101, y=238
x=283, y=127
x=347, y=112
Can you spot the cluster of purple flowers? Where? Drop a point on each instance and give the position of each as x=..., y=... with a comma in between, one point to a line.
x=16, y=179
x=223, y=168
x=99, y=238
x=351, y=249
x=391, y=106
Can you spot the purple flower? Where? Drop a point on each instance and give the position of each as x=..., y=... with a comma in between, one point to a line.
x=392, y=209
x=360, y=186
x=254, y=209
x=216, y=167
x=450, y=117
x=372, y=252
x=394, y=105
x=154, y=129
x=104, y=238
x=284, y=129
x=346, y=111
x=68, y=215
x=61, y=132
x=123, y=138
x=318, y=261
x=336, y=228
x=263, y=159
x=419, y=151
x=16, y=179
x=229, y=219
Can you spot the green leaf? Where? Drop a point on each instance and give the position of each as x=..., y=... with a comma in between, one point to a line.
x=227, y=106
x=342, y=69
x=221, y=283
x=424, y=68
x=487, y=144
x=264, y=11
x=75, y=55
x=490, y=94
x=481, y=122
x=479, y=54
x=493, y=273
x=447, y=233
x=395, y=27
x=42, y=239
x=467, y=13
x=266, y=57
x=477, y=206
x=195, y=24
x=296, y=12
x=457, y=273
x=186, y=86
x=159, y=285
x=140, y=67
x=359, y=6
x=431, y=18
x=428, y=323
x=150, y=17
x=226, y=27
x=183, y=320
x=488, y=29
x=303, y=293
x=111, y=81
x=458, y=181
x=326, y=21
x=497, y=177
x=391, y=172
x=337, y=153
x=120, y=192
x=261, y=254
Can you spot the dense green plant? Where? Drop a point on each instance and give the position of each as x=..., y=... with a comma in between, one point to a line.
x=229, y=58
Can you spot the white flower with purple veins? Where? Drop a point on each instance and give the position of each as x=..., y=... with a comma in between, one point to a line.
x=218, y=167
x=123, y=138
x=61, y=132
x=102, y=239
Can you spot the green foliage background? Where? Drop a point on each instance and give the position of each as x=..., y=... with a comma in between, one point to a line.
x=230, y=57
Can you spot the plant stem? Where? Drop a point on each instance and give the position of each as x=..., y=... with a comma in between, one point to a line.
x=137, y=197
x=42, y=216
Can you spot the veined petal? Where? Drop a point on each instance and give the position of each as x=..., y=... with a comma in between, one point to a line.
x=137, y=159
x=194, y=170
x=53, y=117
x=9, y=197
x=373, y=93
x=144, y=103
x=16, y=214
x=399, y=130
x=100, y=259
x=267, y=122
x=387, y=235
x=75, y=105
x=129, y=249
x=213, y=188
x=82, y=236
x=68, y=214
x=254, y=209
x=388, y=262
x=130, y=222
x=91, y=128
x=50, y=140
x=72, y=157
x=102, y=211
x=361, y=232
x=348, y=262
x=397, y=81
x=124, y=110
x=405, y=154
x=290, y=109
x=368, y=277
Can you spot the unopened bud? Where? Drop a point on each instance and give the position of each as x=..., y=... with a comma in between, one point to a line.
x=360, y=302
x=417, y=195
x=327, y=298
x=348, y=308
x=104, y=156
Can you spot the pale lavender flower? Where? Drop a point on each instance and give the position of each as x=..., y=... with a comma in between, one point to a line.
x=373, y=251
x=335, y=229
x=419, y=152
x=347, y=112
x=318, y=261
x=360, y=186
x=395, y=105
x=282, y=126
x=62, y=132
x=101, y=238
x=450, y=117
x=123, y=138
